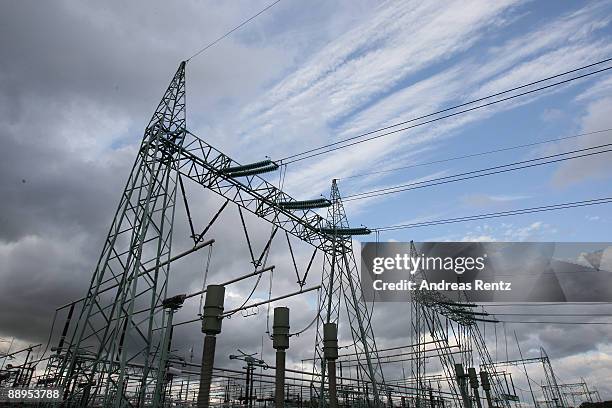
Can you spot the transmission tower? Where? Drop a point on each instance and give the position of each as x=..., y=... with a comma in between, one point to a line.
x=341, y=279
x=132, y=272
x=113, y=347
x=434, y=319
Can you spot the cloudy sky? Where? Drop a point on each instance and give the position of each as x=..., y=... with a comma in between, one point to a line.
x=79, y=81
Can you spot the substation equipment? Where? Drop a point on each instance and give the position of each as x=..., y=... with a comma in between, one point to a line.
x=115, y=347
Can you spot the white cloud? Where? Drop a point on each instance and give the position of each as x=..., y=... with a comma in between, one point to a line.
x=597, y=117
x=487, y=200
x=368, y=78
x=535, y=231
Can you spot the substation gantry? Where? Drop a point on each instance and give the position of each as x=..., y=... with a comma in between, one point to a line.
x=115, y=347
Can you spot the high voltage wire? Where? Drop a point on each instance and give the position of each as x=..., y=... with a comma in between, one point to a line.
x=551, y=207
x=523, y=322
x=316, y=151
x=444, y=117
x=468, y=156
x=591, y=304
x=245, y=22
x=555, y=314
x=540, y=161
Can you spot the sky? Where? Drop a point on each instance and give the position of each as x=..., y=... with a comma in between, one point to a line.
x=79, y=81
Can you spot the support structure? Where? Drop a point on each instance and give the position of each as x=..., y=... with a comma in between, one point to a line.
x=486, y=386
x=105, y=340
x=341, y=278
x=131, y=271
x=211, y=326
x=330, y=352
x=280, y=342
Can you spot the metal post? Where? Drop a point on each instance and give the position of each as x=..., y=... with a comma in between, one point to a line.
x=211, y=326
x=330, y=354
x=461, y=381
x=247, y=393
x=280, y=342
x=161, y=371
x=432, y=401
x=23, y=372
x=474, y=385
x=252, y=385
x=486, y=386
x=333, y=394
x=171, y=305
x=188, y=375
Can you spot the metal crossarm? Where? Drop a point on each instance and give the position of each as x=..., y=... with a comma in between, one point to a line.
x=205, y=165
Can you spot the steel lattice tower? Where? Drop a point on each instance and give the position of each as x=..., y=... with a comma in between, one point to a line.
x=132, y=272
x=341, y=276
x=113, y=354
x=431, y=312
x=114, y=351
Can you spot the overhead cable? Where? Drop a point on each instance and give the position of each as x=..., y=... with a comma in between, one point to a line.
x=245, y=22
x=504, y=168
x=468, y=156
x=531, y=210
x=341, y=143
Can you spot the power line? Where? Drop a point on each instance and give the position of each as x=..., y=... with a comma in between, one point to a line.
x=305, y=154
x=468, y=156
x=552, y=207
x=591, y=304
x=234, y=29
x=555, y=314
x=475, y=174
x=479, y=173
x=523, y=322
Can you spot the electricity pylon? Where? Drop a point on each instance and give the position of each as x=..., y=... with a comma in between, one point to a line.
x=132, y=271
x=112, y=352
x=432, y=314
x=341, y=277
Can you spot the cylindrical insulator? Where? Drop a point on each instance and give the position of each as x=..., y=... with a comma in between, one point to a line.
x=459, y=370
x=473, y=377
x=213, y=308
x=330, y=341
x=280, y=328
x=484, y=379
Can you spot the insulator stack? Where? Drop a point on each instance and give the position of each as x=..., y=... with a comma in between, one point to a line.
x=260, y=167
x=305, y=204
x=345, y=231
